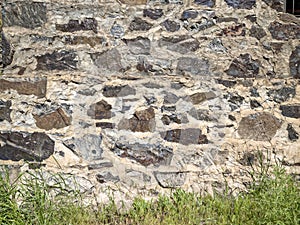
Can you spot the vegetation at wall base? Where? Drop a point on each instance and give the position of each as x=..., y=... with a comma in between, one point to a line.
x=275, y=199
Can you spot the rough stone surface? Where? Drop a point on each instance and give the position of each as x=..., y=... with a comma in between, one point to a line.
x=292, y=111
x=139, y=24
x=153, y=13
x=295, y=63
x=100, y=110
x=5, y=110
x=105, y=176
x=75, y=25
x=241, y=4
x=118, y=91
x=285, y=32
x=139, y=45
x=181, y=44
x=194, y=66
x=185, y=136
x=209, y=3
x=170, y=179
x=292, y=133
x=7, y=52
x=108, y=61
x=57, y=119
x=244, y=66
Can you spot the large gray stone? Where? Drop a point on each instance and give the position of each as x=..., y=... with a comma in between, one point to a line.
x=118, y=91
x=244, y=66
x=139, y=45
x=181, y=44
x=284, y=32
x=295, y=62
x=76, y=25
x=108, y=61
x=170, y=179
x=194, y=66
x=185, y=136
x=241, y=4
x=100, y=110
x=292, y=111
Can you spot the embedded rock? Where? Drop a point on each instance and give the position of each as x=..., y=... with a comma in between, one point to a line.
x=108, y=61
x=275, y=4
x=153, y=13
x=54, y=120
x=118, y=91
x=100, y=110
x=171, y=26
x=170, y=179
x=285, y=32
x=7, y=52
x=58, y=60
x=295, y=62
x=84, y=40
x=181, y=44
x=260, y=126
x=244, y=66
x=257, y=32
x=202, y=114
x=139, y=24
x=189, y=14
x=293, y=135
x=200, y=97
x=292, y=111
x=241, y=4
x=106, y=176
x=133, y=2
x=194, y=66
x=138, y=45
x=209, y=3
x=5, y=110
x=283, y=94
x=23, y=145
x=185, y=136
x=170, y=98
x=75, y=25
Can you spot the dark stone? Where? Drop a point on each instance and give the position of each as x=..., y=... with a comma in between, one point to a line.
x=201, y=114
x=200, y=25
x=257, y=32
x=216, y=45
x=167, y=119
x=24, y=14
x=227, y=83
x=254, y=104
x=36, y=86
x=105, y=176
x=100, y=110
x=118, y=91
x=234, y=30
x=152, y=85
x=87, y=92
x=181, y=44
x=260, y=126
x=171, y=26
x=7, y=52
x=251, y=18
x=292, y=133
x=150, y=99
x=57, y=119
x=144, y=66
x=100, y=165
x=210, y=3
x=23, y=145
x=145, y=154
x=275, y=4
x=139, y=24
x=153, y=13
x=58, y=60
x=75, y=25
x=5, y=110
x=292, y=111
x=283, y=94
x=185, y=136
x=108, y=61
x=142, y=121
x=177, y=86
x=236, y=99
x=254, y=92
x=84, y=40
x=117, y=31
x=295, y=63
x=241, y=4
x=231, y=117
x=227, y=19
x=201, y=97
x=248, y=159
x=194, y=66
x=244, y=66
x=170, y=179
x=105, y=125
x=284, y=32
x=189, y=14
x=171, y=108
x=170, y=98
x=139, y=45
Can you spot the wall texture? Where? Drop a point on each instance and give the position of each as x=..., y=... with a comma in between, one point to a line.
x=143, y=96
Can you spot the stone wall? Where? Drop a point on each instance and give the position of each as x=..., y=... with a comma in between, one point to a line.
x=142, y=96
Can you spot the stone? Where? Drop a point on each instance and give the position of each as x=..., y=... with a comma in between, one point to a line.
x=241, y=4
x=105, y=125
x=100, y=165
x=76, y=25
x=181, y=118
x=257, y=32
x=54, y=120
x=57, y=60
x=248, y=159
x=284, y=32
x=182, y=44
x=138, y=45
x=108, y=61
x=201, y=97
x=200, y=25
x=7, y=52
x=138, y=24
x=254, y=104
x=170, y=98
x=227, y=83
x=210, y=3
x=32, y=86
x=106, y=176
x=152, y=85
x=24, y=14
x=244, y=67
x=236, y=99
x=117, y=31
x=84, y=40
x=194, y=66
x=145, y=154
x=137, y=175
x=283, y=94
x=142, y=121
x=227, y=19
x=260, y=126
x=87, y=92
x=292, y=111
x=5, y=110
x=295, y=63
x=170, y=179
x=202, y=114
x=171, y=26
x=133, y=2
x=185, y=136
x=27, y=146
x=100, y=110
x=189, y=14
x=153, y=13
x=150, y=99
x=275, y=4
x=118, y=91
x=234, y=30
x=216, y=45
x=293, y=135
x=171, y=108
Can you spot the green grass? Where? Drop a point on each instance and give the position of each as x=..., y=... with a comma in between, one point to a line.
x=271, y=199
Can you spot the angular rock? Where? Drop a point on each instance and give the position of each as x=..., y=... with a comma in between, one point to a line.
x=84, y=40
x=181, y=118
x=283, y=94
x=5, y=110
x=200, y=97
x=23, y=145
x=34, y=86
x=284, y=32
x=241, y=4
x=171, y=108
x=170, y=98
x=145, y=154
x=142, y=121
x=257, y=32
x=292, y=133
x=100, y=165
x=171, y=26
x=134, y=2
x=108, y=61
x=58, y=60
x=194, y=66
x=227, y=83
x=137, y=175
x=260, y=126
x=153, y=13
x=200, y=25
x=181, y=44
x=54, y=120
x=295, y=62
x=234, y=30
x=210, y=3
x=118, y=91
x=152, y=85
x=100, y=110
x=244, y=66
x=276, y=4
x=87, y=92
x=254, y=104
x=185, y=136
x=7, y=52
x=139, y=24
x=117, y=31
x=106, y=176
x=25, y=14
x=170, y=179
x=75, y=25
x=138, y=45
x=202, y=114
x=189, y=14
x=105, y=125
x=216, y=45
x=292, y=111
